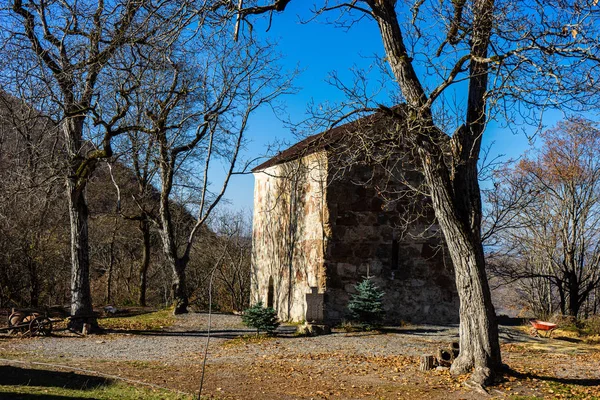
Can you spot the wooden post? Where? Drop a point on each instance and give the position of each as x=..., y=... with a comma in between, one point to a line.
x=427, y=363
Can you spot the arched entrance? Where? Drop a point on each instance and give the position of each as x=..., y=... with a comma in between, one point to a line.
x=270, y=293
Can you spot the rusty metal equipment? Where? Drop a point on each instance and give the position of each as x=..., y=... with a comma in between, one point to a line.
x=29, y=323
x=538, y=326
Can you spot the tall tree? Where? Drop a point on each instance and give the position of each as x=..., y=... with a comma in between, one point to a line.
x=536, y=54
x=74, y=47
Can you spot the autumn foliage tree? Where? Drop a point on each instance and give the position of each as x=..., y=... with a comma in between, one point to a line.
x=546, y=211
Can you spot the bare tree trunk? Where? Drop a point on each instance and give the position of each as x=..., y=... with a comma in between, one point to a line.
x=111, y=263
x=34, y=283
x=180, y=297
x=177, y=265
x=81, y=296
x=574, y=302
x=144, y=228
x=458, y=210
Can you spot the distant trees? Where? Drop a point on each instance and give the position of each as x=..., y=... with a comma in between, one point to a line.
x=33, y=253
x=545, y=211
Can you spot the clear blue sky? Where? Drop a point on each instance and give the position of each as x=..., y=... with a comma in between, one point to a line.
x=318, y=49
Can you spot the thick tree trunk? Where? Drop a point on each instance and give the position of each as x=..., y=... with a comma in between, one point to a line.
x=180, y=297
x=177, y=265
x=144, y=228
x=574, y=302
x=458, y=211
x=81, y=297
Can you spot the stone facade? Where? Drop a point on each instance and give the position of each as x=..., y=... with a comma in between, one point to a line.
x=290, y=232
x=317, y=233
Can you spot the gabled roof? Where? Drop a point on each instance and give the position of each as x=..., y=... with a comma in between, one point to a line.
x=320, y=141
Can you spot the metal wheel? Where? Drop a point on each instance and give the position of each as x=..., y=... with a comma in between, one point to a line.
x=41, y=326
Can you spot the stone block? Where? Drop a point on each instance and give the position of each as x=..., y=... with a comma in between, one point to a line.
x=346, y=270
x=307, y=329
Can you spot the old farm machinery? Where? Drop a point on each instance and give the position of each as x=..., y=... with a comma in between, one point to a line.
x=30, y=323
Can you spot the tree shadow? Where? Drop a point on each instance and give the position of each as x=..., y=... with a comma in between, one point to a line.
x=217, y=333
x=564, y=381
x=568, y=339
x=17, y=376
x=37, y=396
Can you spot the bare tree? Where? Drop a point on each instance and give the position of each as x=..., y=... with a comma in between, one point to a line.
x=488, y=53
x=29, y=217
x=196, y=108
x=552, y=200
x=234, y=232
x=75, y=51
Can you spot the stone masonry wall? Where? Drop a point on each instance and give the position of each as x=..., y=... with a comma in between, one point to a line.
x=289, y=234
x=418, y=282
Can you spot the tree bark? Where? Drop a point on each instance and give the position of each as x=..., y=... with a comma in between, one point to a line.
x=34, y=284
x=144, y=228
x=574, y=302
x=479, y=345
x=180, y=297
x=177, y=265
x=81, y=296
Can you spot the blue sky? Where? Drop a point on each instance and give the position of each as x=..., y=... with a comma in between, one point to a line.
x=318, y=49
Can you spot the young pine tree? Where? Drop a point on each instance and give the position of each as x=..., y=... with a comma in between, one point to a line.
x=366, y=306
x=261, y=318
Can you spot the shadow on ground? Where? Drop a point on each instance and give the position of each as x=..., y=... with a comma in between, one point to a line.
x=16, y=376
x=564, y=381
x=21, y=396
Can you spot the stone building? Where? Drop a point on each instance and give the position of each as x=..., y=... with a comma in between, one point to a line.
x=320, y=226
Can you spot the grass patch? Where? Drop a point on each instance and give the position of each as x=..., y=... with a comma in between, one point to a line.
x=573, y=391
x=248, y=340
x=143, y=322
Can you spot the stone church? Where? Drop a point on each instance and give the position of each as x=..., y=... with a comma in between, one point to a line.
x=322, y=223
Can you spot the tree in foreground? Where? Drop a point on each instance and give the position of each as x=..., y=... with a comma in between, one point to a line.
x=546, y=213
x=76, y=58
x=366, y=305
x=261, y=318
x=455, y=63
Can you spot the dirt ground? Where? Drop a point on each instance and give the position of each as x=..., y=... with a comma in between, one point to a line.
x=369, y=365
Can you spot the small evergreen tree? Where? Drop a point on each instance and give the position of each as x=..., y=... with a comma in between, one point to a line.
x=261, y=318
x=366, y=306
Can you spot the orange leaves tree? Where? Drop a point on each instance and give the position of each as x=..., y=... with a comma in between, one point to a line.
x=552, y=200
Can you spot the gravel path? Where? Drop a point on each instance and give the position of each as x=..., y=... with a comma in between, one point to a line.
x=187, y=338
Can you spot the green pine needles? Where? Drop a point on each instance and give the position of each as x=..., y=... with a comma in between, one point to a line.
x=261, y=318
x=366, y=306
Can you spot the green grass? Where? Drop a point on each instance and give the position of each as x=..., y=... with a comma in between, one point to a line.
x=143, y=322
x=31, y=383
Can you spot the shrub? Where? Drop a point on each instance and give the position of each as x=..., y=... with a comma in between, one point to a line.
x=366, y=306
x=261, y=318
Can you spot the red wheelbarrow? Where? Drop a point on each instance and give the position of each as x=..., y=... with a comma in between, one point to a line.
x=542, y=326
